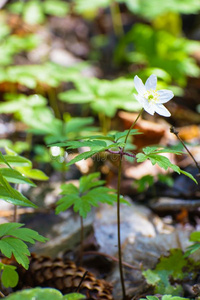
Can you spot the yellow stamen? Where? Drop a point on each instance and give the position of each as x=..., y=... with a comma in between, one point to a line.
x=152, y=96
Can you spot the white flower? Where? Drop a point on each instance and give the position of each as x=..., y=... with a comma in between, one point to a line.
x=151, y=99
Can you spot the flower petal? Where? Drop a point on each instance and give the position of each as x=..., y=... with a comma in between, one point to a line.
x=140, y=99
x=151, y=82
x=148, y=107
x=161, y=110
x=139, y=86
x=165, y=95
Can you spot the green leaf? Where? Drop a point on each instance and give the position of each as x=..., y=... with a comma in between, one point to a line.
x=2, y=158
x=90, y=193
x=81, y=156
x=68, y=189
x=33, y=173
x=153, y=154
x=9, y=276
x=65, y=202
x=73, y=296
x=16, y=161
x=120, y=135
x=195, y=236
x=14, y=197
x=82, y=206
x=191, y=249
x=37, y=294
x=15, y=177
x=11, y=243
x=19, y=249
x=33, y=12
x=56, y=8
x=189, y=175
x=89, y=181
x=151, y=277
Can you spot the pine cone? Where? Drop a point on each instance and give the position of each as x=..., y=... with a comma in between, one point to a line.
x=64, y=276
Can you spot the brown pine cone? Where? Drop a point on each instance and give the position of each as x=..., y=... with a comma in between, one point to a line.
x=64, y=276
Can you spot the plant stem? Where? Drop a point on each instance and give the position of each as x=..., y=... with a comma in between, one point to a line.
x=81, y=242
x=126, y=138
x=118, y=228
x=18, y=188
x=118, y=208
x=54, y=102
x=174, y=131
x=116, y=18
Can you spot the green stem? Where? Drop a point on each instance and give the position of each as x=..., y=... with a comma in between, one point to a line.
x=54, y=103
x=116, y=18
x=104, y=123
x=118, y=209
x=126, y=138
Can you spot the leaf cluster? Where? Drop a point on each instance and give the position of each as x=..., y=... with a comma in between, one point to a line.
x=11, y=44
x=97, y=144
x=165, y=297
x=44, y=294
x=12, y=238
x=34, y=11
x=154, y=155
x=103, y=96
x=176, y=267
x=89, y=193
x=165, y=52
x=195, y=239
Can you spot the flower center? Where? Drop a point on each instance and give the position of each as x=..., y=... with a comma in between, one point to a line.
x=152, y=96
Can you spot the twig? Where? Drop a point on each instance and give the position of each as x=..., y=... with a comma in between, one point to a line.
x=82, y=279
x=112, y=258
x=174, y=131
x=2, y=295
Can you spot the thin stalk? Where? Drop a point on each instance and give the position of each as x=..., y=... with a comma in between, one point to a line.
x=2, y=295
x=118, y=208
x=103, y=123
x=118, y=228
x=18, y=188
x=116, y=18
x=126, y=138
x=81, y=241
x=54, y=103
x=174, y=131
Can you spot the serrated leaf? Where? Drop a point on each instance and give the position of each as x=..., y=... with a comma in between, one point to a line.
x=108, y=137
x=2, y=158
x=11, y=246
x=33, y=173
x=14, y=176
x=16, y=161
x=9, y=276
x=120, y=135
x=81, y=156
x=153, y=154
x=151, y=277
x=90, y=181
x=82, y=206
x=68, y=189
x=189, y=175
x=173, y=264
x=15, y=197
x=65, y=202
x=191, y=249
x=26, y=234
